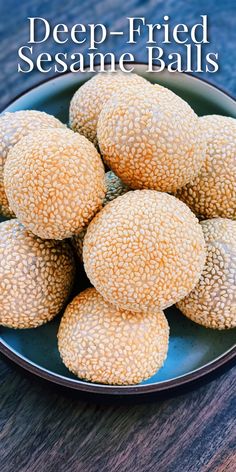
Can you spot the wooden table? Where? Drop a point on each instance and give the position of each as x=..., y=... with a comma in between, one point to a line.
x=45, y=429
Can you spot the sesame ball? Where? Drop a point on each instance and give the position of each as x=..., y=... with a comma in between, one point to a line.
x=36, y=276
x=101, y=343
x=212, y=192
x=88, y=101
x=13, y=126
x=55, y=182
x=114, y=188
x=151, y=139
x=144, y=251
x=212, y=303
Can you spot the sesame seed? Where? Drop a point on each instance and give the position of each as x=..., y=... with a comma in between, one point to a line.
x=90, y=98
x=13, y=127
x=69, y=159
x=155, y=278
x=32, y=290
x=130, y=347
x=212, y=193
x=164, y=148
x=210, y=302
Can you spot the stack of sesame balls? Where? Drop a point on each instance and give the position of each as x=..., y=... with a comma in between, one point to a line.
x=157, y=229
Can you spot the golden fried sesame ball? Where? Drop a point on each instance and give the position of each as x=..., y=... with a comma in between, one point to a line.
x=13, y=126
x=87, y=102
x=151, y=139
x=144, y=251
x=54, y=180
x=114, y=188
x=36, y=276
x=101, y=343
x=213, y=192
x=212, y=303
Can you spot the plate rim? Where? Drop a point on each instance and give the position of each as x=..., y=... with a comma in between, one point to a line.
x=83, y=386
x=135, y=63
x=91, y=387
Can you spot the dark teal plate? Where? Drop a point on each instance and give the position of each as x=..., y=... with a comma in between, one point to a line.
x=194, y=351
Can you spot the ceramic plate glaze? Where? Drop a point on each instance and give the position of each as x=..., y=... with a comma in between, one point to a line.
x=194, y=351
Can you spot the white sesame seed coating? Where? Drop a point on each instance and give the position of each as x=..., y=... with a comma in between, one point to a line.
x=213, y=192
x=114, y=188
x=144, y=250
x=13, y=126
x=101, y=343
x=36, y=276
x=150, y=138
x=55, y=182
x=88, y=101
x=212, y=303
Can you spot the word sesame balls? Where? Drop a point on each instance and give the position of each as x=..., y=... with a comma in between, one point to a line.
x=54, y=180
x=150, y=138
x=212, y=303
x=13, y=126
x=36, y=276
x=101, y=343
x=90, y=98
x=144, y=251
x=212, y=193
x=114, y=188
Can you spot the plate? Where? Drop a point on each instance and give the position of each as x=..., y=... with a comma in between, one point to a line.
x=194, y=351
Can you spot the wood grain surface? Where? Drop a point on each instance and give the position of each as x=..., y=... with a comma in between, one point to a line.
x=46, y=429
x=43, y=429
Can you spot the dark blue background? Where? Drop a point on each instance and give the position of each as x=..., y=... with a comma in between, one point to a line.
x=14, y=31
